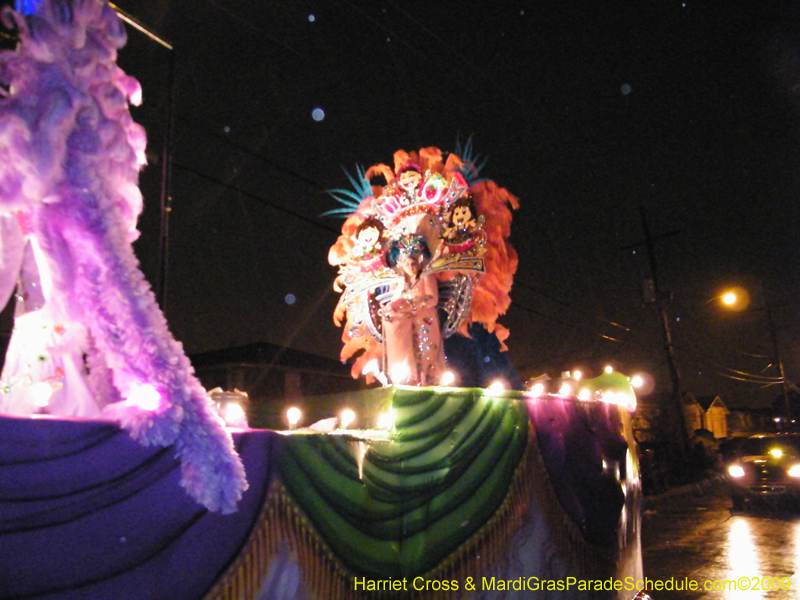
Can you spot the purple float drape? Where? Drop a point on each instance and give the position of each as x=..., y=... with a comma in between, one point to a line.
x=87, y=512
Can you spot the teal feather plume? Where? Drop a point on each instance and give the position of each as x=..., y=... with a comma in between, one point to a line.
x=350, y=199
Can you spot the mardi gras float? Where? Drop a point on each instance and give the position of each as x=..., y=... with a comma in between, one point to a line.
x=118, y=479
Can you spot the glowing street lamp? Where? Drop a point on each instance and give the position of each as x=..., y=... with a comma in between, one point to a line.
x=738, y=299
x=735, y=299
x=728, y=298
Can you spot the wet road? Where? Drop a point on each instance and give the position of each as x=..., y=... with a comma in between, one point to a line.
x=694, y=536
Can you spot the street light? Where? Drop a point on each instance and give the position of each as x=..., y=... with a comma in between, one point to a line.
x=735, y=299
x=738, y=299
x=729, y=298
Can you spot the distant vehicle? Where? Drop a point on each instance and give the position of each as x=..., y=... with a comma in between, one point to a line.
x=764, y=467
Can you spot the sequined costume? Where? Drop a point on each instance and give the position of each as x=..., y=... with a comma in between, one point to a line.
x=411, y=328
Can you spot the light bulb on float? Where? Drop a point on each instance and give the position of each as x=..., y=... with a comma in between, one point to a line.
x=385, y=420
x=537, y=389
x=371, y=368
x=497, y=386
x=293, y=416
x=346, y=418
x=400, y=373
x=40, y=393
x=448, y=378
x=234, y=415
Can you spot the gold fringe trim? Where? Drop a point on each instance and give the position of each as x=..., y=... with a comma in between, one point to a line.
x=282, y=528
x=531, y=496
x=584, y=560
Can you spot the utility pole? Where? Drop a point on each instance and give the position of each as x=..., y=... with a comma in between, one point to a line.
x=653, y=295
x=776, y=351
x=166, y=157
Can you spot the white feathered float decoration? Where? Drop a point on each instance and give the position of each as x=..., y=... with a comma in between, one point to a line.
x=70, y=156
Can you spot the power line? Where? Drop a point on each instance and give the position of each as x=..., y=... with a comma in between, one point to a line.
x=271, y=162
x=568, y=304
x=566, y=324
x=255, y=197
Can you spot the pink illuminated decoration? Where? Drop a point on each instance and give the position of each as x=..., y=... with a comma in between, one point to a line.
x=144, y=397
x=86, y=319
x=427, y=243
x=40, y=393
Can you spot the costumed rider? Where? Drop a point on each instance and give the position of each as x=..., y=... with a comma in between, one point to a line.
x=444, y=266
x=411, y=330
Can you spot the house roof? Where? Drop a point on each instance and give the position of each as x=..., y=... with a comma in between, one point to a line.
x=705, y=402
x=711, y=401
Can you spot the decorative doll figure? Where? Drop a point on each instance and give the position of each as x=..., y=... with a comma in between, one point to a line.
x=368, y=243
x=408, y=180
x=414, y=352
x=462, y=224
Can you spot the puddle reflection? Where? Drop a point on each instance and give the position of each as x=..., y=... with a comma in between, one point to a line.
x=743, y=559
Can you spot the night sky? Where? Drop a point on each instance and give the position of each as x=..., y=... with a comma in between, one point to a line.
x=592, y=113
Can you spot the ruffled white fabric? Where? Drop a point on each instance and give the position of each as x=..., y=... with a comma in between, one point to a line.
x=70, y=155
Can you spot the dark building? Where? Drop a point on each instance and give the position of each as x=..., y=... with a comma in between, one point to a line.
x=276, y=378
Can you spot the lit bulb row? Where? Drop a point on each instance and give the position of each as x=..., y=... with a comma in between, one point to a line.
x=569, y=385
x=346, y=418
x=400, y=374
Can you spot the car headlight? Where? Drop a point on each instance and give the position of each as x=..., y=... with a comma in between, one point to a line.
x=738, y=471
x=794, y=471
